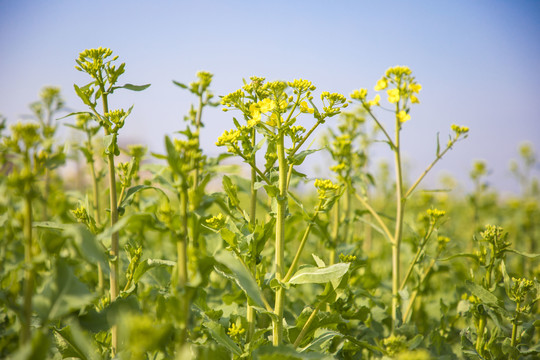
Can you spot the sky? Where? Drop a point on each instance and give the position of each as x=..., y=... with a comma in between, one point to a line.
x=477, y=61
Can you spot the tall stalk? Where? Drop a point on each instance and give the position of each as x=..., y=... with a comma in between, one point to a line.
x=400, y=209
x=113, y=264
x=251, y=316
x=28, y=271
x=280, y=239
x=181, y=248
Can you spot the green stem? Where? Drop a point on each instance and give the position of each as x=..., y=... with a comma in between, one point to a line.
x=400, y=203
x=251, y=316
x=310, y=320
x=28, y=271
x=421, y=177
x=114, y=253
x=419, y=252
x=294, y=264
x=335, y=234
x=480, y=335
x=376, y=216
x=181, y=248
x=408, y=311
x=515, y=323
x=280, y=239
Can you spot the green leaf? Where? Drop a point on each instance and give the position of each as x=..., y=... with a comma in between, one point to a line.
x=148, y=264
x=131, y=87
x=527, y=255
x=485, y=296
x=37, y=349
x=316, y=275
x=109, y=142
x=286, y=352
x=82, y=96
x=87, y=244
x=172, y=156
x=61, y=294
x=135, y=189
x=71, y=342
x=231, y=191
x=218, y=333
x=183, y=86
x=73, y=114
x=298, y=159
x=243, y=278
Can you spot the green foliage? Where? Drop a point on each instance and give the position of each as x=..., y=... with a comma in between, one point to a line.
x=208, y=264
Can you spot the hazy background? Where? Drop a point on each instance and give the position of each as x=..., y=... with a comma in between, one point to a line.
x=478, y=63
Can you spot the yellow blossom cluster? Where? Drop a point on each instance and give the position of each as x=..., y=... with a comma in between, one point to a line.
x=216, y=222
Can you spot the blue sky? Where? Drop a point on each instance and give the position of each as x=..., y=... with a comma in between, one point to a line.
x=477, y=61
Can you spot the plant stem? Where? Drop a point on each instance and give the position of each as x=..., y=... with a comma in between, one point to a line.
x=408, y=311
x=251, y=317
x=181, y=248
x=294, y=263
x=28, y=271
x=280, y=239
x=416, y=257
x=335, y=234
x=97, y=210
x=400, y=203
x=310, y=320
x=115, y=259
x=377, y=217
x=515, y=323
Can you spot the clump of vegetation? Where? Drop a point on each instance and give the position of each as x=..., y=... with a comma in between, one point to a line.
x=145, y=262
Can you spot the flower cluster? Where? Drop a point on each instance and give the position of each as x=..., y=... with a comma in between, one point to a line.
x=324, y=187
x=216, y=222
x=401, y=88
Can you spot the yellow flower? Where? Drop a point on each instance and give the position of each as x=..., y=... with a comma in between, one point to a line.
x=266, y=105
x=415, y=87
x=381, y=84
x=375, y=100
x=272, y=120
x=402, y=116
x=255, y=112
x=393, y=95
x=304, y=108
x=359, y=94
x=414, y=99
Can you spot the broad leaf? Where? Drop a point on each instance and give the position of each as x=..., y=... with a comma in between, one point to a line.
x=316, y=275
x=243, y=278
x=148, y=264
x=218, y=333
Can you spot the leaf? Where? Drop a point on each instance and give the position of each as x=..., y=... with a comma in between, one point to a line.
x=73, y=114
x=243, y=278
x=172, y=156
x=316, y=275
x=61, y=294
x=71, y=342
x=218, y=333
x=87, y=244
x=148, y=264
x=131, y=87
x=286, y=352
x=527, y=255
x=484, y=295
x=298, y=159
x=82, y=96
x=231, y=191
x=319, y=261
x=109, y=142
x=183, y=86
x=135, y=189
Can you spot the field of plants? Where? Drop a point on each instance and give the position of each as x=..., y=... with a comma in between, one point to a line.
x=185, y=256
